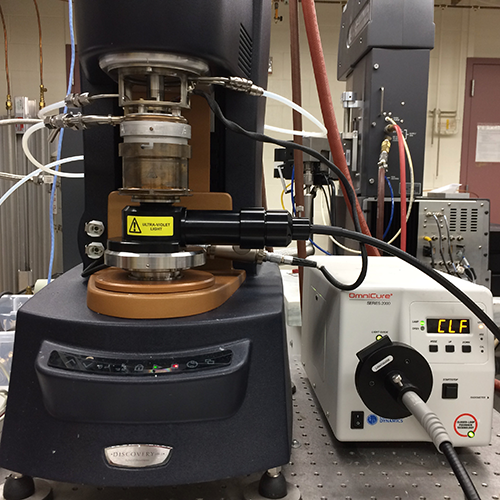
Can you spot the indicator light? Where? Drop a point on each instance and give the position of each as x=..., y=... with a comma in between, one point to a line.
x=471, y=434
x=481, y=326
x=379, y=337
x=422, y=323
x=175, y=366
x=155, y=367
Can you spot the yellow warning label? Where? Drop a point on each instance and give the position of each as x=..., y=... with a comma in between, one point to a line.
x=150, y=226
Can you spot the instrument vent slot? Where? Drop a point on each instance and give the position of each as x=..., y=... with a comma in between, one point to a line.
x=463, y=220
x=453, y=219
x=245, y=54
x=474, y=220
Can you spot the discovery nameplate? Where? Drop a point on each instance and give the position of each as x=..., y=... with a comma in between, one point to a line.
x=133, y=456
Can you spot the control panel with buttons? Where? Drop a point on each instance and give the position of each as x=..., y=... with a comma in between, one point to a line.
x=448, y=333
x=138, y=367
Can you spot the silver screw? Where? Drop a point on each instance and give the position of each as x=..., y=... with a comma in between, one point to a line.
x=371, y=180
x=376, y=66
x=397, y=379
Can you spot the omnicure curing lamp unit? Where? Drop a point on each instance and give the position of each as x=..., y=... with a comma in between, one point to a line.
x=409, y=307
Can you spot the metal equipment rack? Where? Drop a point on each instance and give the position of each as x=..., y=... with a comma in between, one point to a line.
x=325, y=469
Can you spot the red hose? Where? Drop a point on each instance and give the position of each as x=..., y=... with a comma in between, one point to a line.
x=402, y=180
x=326, y=103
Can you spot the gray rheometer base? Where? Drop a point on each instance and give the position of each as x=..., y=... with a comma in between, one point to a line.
x=325, y=469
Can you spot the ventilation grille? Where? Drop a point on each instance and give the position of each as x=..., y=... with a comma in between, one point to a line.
x=453, y=219
x=245, y=54
x=464, y=220
x=473, y=220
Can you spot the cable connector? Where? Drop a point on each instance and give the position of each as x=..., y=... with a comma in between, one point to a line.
x=235, y=253
x=244, y=85
x=258, y=256
x=77, y=100
x=42, y=96
x=233, y=83
x=8, y=104
x=77, y=121
x=74, y=100
x=384, y=152
x=278, y=258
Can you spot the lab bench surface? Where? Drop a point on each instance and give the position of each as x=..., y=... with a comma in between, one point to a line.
x=325, y=469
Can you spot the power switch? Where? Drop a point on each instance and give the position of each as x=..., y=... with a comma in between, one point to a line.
x=357, y=419
x=450, y=391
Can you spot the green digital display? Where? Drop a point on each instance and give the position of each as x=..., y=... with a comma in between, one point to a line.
x=448, y=325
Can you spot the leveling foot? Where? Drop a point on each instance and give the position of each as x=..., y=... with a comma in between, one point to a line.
x=272, y=485
x=20, y=487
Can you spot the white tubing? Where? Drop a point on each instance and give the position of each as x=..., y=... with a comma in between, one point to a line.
x=18, y=121
x=18, y=184
x=296, y=107
x=286, y=131
x=51, y=107
x=48, y=168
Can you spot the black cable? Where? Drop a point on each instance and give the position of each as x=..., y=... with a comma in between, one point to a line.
x=327, y=202
x=436, y=276
x=234, y=127
x=460, y=471
x=98, y=265
x=331, y=192
x=361, y=277
x=449, y=246
x=333, y=201
x=297, y=261
x=5, y=293
x=431, y=249
x=441, y=244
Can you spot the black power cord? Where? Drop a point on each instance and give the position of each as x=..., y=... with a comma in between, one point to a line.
x=436, y=276
x=351, y=195
x=460, y=471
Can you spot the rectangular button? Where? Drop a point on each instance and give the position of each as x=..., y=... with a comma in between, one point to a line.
x=433, y=348
x=449, y=391
x=450, y=348
x=466, y=348
x=357, y=419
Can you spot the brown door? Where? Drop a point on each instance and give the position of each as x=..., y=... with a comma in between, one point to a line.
x=480, y=164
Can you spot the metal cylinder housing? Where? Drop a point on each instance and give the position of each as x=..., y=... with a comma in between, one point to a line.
x=155, y=155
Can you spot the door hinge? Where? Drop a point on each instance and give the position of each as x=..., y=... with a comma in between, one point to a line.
x=472, y=87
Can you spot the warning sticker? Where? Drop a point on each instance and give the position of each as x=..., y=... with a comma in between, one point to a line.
x=150, y=226
x=465, y=425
